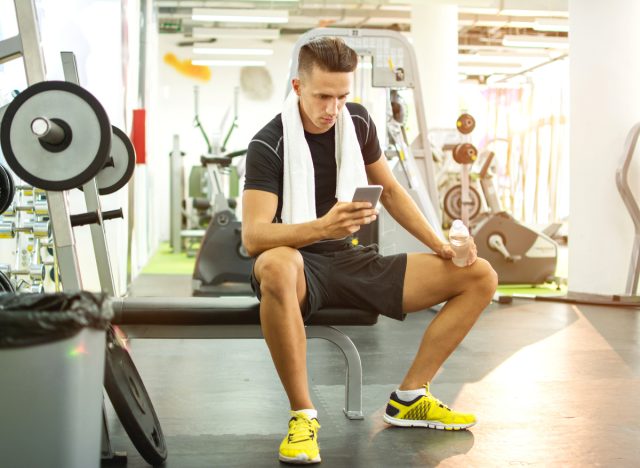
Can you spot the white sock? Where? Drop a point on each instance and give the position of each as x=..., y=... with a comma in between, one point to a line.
x=410, y=395
x=311, y=413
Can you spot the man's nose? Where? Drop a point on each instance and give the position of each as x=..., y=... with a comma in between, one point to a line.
x=332, y=108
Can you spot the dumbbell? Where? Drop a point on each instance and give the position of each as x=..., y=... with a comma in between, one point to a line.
x=40, y=229
x=35, y=271
x=39, y=208
x=29, y=190
x=465, y=124
x=465, y=153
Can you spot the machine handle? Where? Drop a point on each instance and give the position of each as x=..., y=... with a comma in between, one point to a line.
x=496, y=243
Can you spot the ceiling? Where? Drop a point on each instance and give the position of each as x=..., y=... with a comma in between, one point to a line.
x=482, y=25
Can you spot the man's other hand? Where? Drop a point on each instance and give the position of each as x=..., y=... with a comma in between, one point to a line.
x=446, y=251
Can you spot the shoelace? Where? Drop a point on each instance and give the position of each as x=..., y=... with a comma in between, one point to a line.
x=438, y=402
x=301, y=429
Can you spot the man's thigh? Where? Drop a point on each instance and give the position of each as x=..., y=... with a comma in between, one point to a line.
x=430, y=280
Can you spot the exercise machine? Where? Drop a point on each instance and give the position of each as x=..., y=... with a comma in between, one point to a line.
x=518, y=254
x=630, y=297
x=223, y=266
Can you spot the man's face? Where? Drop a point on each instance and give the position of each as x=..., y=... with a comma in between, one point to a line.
x=322, y=96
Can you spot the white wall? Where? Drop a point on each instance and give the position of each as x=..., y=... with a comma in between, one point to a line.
x=605, y=103
x=434, y=35
x=175, y=110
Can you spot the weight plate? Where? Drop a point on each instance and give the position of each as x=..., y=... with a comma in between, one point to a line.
x=131, y=402
x=7, y=189
x=453, y=202
x=85, y=155
x=465, y=124
x=112, y=178
x=5, y=283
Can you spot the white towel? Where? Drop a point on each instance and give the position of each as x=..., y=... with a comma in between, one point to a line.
x=299, y=190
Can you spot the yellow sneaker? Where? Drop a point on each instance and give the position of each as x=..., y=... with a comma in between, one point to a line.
x=300, y=446
x=426, y=411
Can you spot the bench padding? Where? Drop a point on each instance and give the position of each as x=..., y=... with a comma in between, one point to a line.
x=217, y=311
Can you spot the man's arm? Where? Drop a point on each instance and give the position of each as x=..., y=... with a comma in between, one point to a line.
x=402, y=208
x=260, y=233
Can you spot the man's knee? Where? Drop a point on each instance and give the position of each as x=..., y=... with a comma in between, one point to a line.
x=277, y=270
x=485, y=279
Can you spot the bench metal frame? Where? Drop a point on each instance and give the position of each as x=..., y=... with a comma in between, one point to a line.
x=353, y=382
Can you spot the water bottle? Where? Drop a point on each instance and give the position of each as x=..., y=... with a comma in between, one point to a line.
x=459, y=239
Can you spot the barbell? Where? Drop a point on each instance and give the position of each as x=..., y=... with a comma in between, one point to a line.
x=55, y=135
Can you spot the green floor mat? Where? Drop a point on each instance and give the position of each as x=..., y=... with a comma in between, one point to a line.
x=528, y=290
x=165, y=262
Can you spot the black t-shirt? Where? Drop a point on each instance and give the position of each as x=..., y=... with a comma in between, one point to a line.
x=265, y=155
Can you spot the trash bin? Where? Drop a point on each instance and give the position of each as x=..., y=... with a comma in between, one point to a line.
x=52, y=349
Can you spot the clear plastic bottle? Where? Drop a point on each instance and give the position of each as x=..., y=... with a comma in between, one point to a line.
x=459, y=239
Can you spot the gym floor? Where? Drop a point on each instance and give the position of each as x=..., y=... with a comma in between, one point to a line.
x=550, y=383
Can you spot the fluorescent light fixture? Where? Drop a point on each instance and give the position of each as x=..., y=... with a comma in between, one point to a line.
x=229, y=63
x=546, y=42
x=551, y=24
x=247, y=15
x=534, y=13
x=477, y=58
x=220, y=51
x=484, y=69
x=478, y=10
x=237, y=33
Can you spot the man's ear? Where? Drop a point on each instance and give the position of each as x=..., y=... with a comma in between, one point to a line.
x=295, y=84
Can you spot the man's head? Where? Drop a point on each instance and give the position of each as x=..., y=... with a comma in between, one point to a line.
x=325, y=74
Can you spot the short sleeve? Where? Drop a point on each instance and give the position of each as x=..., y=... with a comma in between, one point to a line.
x=371, y=150
x=263, y=168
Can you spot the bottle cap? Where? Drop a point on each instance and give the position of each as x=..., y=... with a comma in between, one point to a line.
x=458, y=227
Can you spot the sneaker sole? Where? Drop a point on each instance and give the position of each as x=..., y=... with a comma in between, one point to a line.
x=301, y=459
x=425, y=423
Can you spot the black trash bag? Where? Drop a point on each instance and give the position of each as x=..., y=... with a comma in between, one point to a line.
x=32, y=319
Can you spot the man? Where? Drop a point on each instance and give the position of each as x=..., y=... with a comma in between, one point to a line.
x=302, y=266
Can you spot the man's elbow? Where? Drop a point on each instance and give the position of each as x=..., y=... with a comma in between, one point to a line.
x=249, y=243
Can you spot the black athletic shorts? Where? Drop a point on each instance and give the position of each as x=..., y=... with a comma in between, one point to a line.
x=339, y=274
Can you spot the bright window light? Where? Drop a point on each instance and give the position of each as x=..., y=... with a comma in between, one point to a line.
x=219, y=51
x=247, y=15
x=230, y=63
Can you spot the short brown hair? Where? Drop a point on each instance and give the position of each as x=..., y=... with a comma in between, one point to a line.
x=330, y=54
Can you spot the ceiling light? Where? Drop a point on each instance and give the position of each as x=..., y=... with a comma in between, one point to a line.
x=478, y=58
x=535, y=41
x=551, y=24
x=483, y=69
x=236, y=33
x=248, y=15
x=519, y=12
x=229, y=63
x=220, y=51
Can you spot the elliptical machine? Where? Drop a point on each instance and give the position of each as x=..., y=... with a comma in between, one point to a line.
x=519, y=254
x=223, y=266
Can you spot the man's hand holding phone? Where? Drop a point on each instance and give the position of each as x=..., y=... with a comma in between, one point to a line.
x=345, y=218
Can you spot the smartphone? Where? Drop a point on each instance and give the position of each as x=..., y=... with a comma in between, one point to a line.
x=370, y=193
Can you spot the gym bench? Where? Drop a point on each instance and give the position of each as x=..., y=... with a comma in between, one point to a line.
x=239, y=317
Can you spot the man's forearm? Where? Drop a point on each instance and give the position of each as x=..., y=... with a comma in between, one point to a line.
x=404, y=210
x=259, y=237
